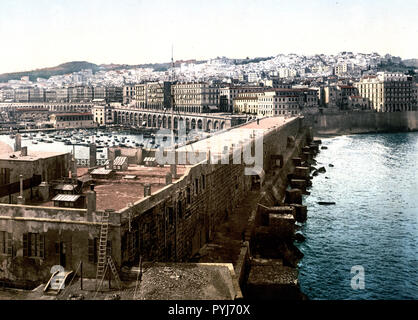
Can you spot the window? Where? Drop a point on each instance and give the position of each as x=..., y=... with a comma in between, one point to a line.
x=170, y=215
x=196, y=186
x=33, y=245
x=5, y=243
x=4, y=176
x=132, y=244
x=203, y=182
x=188, y=196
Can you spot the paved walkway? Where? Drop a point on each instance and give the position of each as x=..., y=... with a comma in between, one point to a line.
x=227, y=241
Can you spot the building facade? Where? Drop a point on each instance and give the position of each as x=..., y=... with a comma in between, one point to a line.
x=228, y=94
x=196, y=97
x=72, y=120
x=387, y=92
x=103, y=114
x=153, y=96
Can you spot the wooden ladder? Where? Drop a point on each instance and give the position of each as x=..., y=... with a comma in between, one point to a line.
x=114, y=271
x=102, y=252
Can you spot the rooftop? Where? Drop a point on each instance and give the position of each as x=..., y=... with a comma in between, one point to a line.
x=32, y=155
x=235, y=136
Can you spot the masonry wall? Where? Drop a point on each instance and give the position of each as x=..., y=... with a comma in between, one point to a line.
x=168, y=227
x=55, y=225
x=364, y=122
x=51, y=168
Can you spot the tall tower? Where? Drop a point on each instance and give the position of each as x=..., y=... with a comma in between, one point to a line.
x=172, y=80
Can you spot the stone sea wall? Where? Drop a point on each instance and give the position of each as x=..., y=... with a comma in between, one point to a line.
x=363, y=122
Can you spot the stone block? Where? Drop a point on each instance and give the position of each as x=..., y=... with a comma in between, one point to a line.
x=297, y=162
x=269, y=279
x=282, y=225
x=301, y=173
x=301, y=212
x=307, y=156
x=265, y=212
x=293, y=196
x=298, y=183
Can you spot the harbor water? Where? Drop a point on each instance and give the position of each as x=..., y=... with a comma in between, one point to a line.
x=374, y=223
x=37, y=141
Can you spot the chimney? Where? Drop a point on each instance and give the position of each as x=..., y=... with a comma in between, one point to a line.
x=20, y=198
x=93, y=155
x=173, y=171
x=168, y=179
x=147, y=190
x=73, y=168
x=139, y=155
x=91, y=203
x=24, y=152
x=18, y=142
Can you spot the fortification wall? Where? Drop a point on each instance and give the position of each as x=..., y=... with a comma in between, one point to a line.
x=175, y=222
x=364, y=122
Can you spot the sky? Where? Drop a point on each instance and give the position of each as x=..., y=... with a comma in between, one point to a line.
x=45, y=33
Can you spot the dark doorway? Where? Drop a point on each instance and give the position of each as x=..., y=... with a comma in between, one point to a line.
x=61, y=251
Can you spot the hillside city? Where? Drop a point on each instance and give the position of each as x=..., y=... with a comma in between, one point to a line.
x=85, y=186
x=286, y=84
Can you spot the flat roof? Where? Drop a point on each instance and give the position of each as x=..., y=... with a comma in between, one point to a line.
x=235, y=136
x=74, y=114
x=32, y=155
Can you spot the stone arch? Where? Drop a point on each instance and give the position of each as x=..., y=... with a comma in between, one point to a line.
x=159, y=121
x=199, y=124
x=222, y=125
x=149, y=122
x=176, y=123
x=216, y=125
x=154, y=121
x=209, y=125
x=187, y=124
x=164, y=122
x=169, y=123
x=193, y=124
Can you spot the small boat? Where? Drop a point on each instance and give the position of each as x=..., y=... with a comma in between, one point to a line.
x=326, y=203
x=34, y=142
